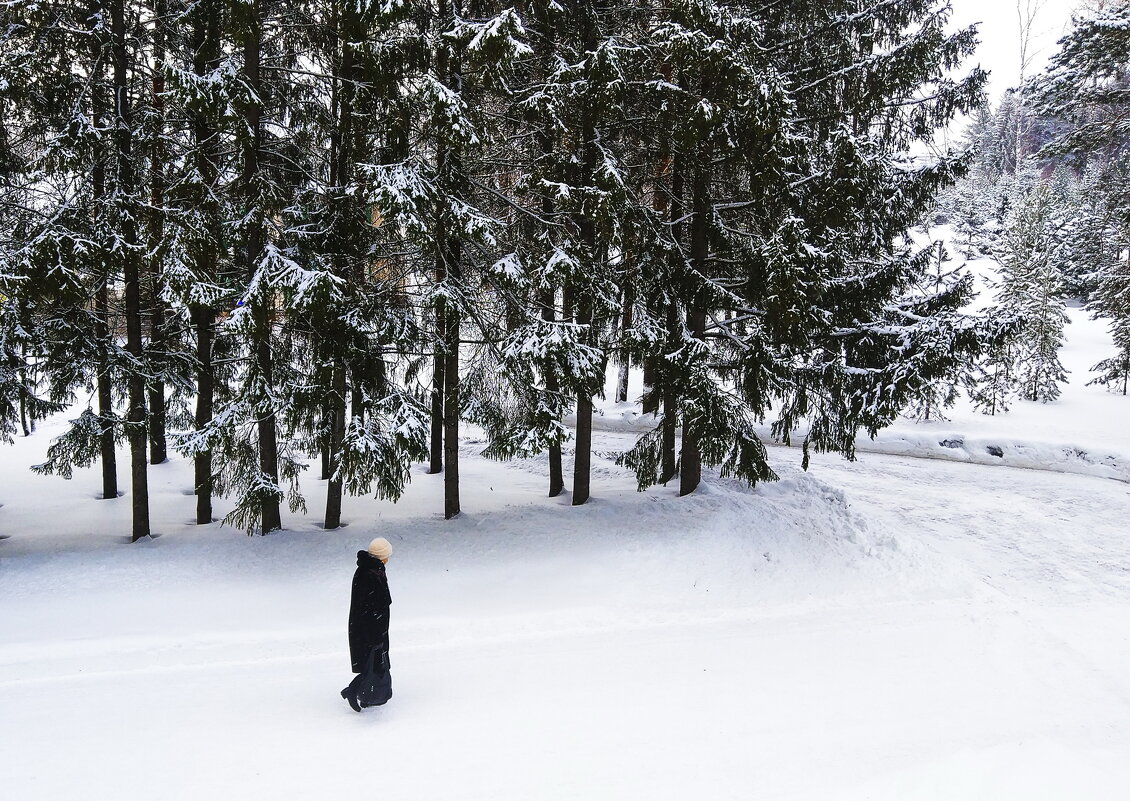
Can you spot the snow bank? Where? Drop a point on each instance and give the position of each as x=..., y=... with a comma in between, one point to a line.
x=1001, y=451
x=931, y=441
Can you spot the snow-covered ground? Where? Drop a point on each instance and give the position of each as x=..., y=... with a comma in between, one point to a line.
x=893, y=628
x=889, y=629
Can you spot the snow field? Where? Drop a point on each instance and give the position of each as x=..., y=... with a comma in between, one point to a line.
x=887, y=629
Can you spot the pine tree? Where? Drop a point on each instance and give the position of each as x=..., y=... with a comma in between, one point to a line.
x=1031, y=285
x=197, y=265
x=441, y=189
x=27, y=291
x=352, y=299
x=826, y=318
x=930, y=400
x=992, y=381
x=1085, y=85
x=125, y=191
x=1092, y=228
x=1112, y=301
x=69, y=230
x=971, y=204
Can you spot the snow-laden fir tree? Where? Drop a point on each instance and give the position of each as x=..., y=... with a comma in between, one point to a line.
x=1032, y=287
x=1092, y=227
x=798, y=198
x=266, y=134
x=576, y=206
x=352, y=302
x=930, y=400
x=442, y=190
x=26, y=289
x=55, y=104
x=86, y=176
x=1112, y=301
x=719, y=106
x=1085, y=85
x=200, y=279
x=971, y=204
x=992, y=381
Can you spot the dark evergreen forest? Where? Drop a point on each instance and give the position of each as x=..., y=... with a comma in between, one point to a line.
x=279, y=237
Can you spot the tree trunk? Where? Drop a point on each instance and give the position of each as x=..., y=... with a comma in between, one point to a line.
x=690, y=472
x=158, y=411
x=439, y=355
x=553, y=386
x=205, y=392
x=205, y=42
x=650, y=391
x=652, y=394
x=669, y=463
x=451, y=423
x=582, y=457
x=107, y=452
x=270, y=514
x=549, y=295
x=337, y=436
x=324, y=457
x=340, y=156
x=450, y=253
x=625, y=327
x=131, y=274
x=451, y=399
x=158, y=447
x=439, y=373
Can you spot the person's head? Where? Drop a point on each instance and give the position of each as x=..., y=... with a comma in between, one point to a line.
x=381, y=548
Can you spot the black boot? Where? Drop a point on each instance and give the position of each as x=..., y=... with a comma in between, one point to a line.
x=351, y=697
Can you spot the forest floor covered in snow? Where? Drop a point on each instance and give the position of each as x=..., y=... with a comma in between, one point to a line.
x=892, y=628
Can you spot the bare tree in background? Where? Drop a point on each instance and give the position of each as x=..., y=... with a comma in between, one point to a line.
x=1026, y=13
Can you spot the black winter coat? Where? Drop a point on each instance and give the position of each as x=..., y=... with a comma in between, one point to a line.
x=368, y=609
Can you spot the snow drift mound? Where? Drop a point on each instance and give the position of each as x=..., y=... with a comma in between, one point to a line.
x=782, y=542
x=1056, y=457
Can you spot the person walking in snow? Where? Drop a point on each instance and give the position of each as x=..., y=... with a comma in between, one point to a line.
x=368, y=628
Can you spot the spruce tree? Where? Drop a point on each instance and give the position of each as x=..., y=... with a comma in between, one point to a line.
x=1032, y=286
x=71, y=248
x=798, y=197
x=1112, y=301
x=992, y=381
x=1085, y=85
x=352, y=296
x=442, y=190
x=125, y=190
x=197, y=259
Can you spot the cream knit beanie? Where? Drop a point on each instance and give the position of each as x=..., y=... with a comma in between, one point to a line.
x=380, y=548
